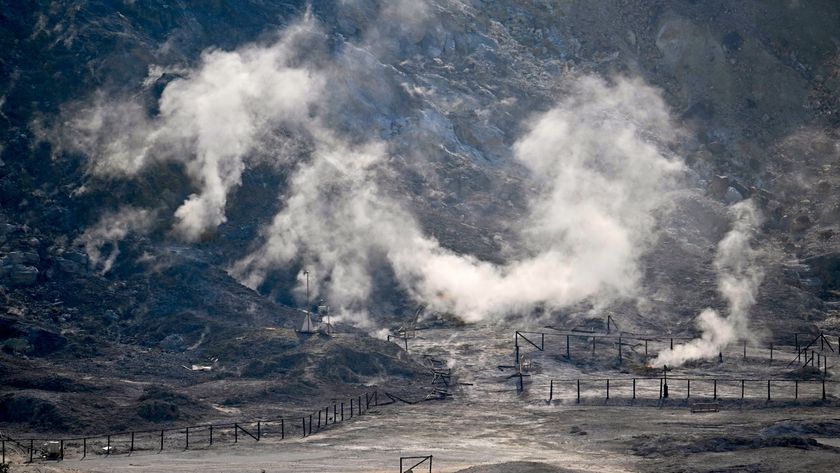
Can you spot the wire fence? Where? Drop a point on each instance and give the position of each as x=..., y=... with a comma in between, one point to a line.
x=199, y=436
x=661, y=388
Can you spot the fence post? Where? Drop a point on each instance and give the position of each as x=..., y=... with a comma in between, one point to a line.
x=109, y=445
x=319, y=419
x=608, y=388
x=236, y=433
x=367, y=400
x=551, y=391
x=187, y=443
x=619, y=350
x=31, y=450
x=715, y=393
x=335, y=413
x=161, y=440
x=342, y=411
x=303, y=424
x=84, y=447
x=310, y=424
x=282, y=429
x=688, y=388
x=634, y=388
x=568, y=348
x=742, y=389
x=672, y=344
x=61, y=449
x=578, y=391
x=351, y=407
x=768, y=390
x=131, y=448
x=259, y=426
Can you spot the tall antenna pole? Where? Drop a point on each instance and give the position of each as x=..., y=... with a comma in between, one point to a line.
x=306, y=273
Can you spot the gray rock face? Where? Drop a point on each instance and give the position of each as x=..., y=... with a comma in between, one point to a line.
x=21, y=275
x=20, y=257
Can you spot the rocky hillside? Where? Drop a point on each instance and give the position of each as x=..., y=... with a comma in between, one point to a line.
x=103, y=106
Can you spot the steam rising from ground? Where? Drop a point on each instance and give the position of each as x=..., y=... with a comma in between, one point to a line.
x=596, y=159
x=109, y=231
x=601, y=177
x=739, y=278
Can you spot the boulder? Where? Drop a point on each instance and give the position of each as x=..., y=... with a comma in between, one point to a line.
x=21, y=275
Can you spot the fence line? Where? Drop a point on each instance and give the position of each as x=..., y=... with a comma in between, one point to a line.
x=127, y=441
x=664, y=388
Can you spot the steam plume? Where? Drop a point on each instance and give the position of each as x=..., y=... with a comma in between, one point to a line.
x=739, y=278
x=109, y=231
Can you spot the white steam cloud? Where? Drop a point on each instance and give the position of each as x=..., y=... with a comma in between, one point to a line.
x=110, y=230
x=739, y=277
x=598, y=160
x=602, y=177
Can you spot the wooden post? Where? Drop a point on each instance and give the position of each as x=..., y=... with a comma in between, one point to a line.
x=619, y=350
x=568, y=348
x=608, y=388
x=84, y=447
x=551, y=391
x=235, y=433
x=715, y=389
x=31, y=450
x=131, y=448
x=688, y=388
x=161, y=440
x=319, y=419
x=109, y=445
x=578, y=391
x=61, y=449
x=634, y=388
x=351, y=407
x=768, y=390
x=376, y=398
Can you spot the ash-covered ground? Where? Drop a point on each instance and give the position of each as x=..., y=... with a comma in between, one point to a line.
x=487, y=423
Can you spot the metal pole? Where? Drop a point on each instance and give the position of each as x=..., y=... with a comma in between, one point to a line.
x=161, y=440
x=131, y=448
x=61, y=451
x=84, y=447
x=715, y=393
x=187, y=444
x=31, y=449
x=672, y=344
x=578, y=391
x=768, y=390
x=351, y=407
x=551, y=391
x=634, y=388
x=688, y=388
x=742, y=389
x=608, y=388
x=109, y=445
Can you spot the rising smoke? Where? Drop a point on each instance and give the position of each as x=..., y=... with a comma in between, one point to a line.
x=112, y=228
x=598, y=160
x=739, y=277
